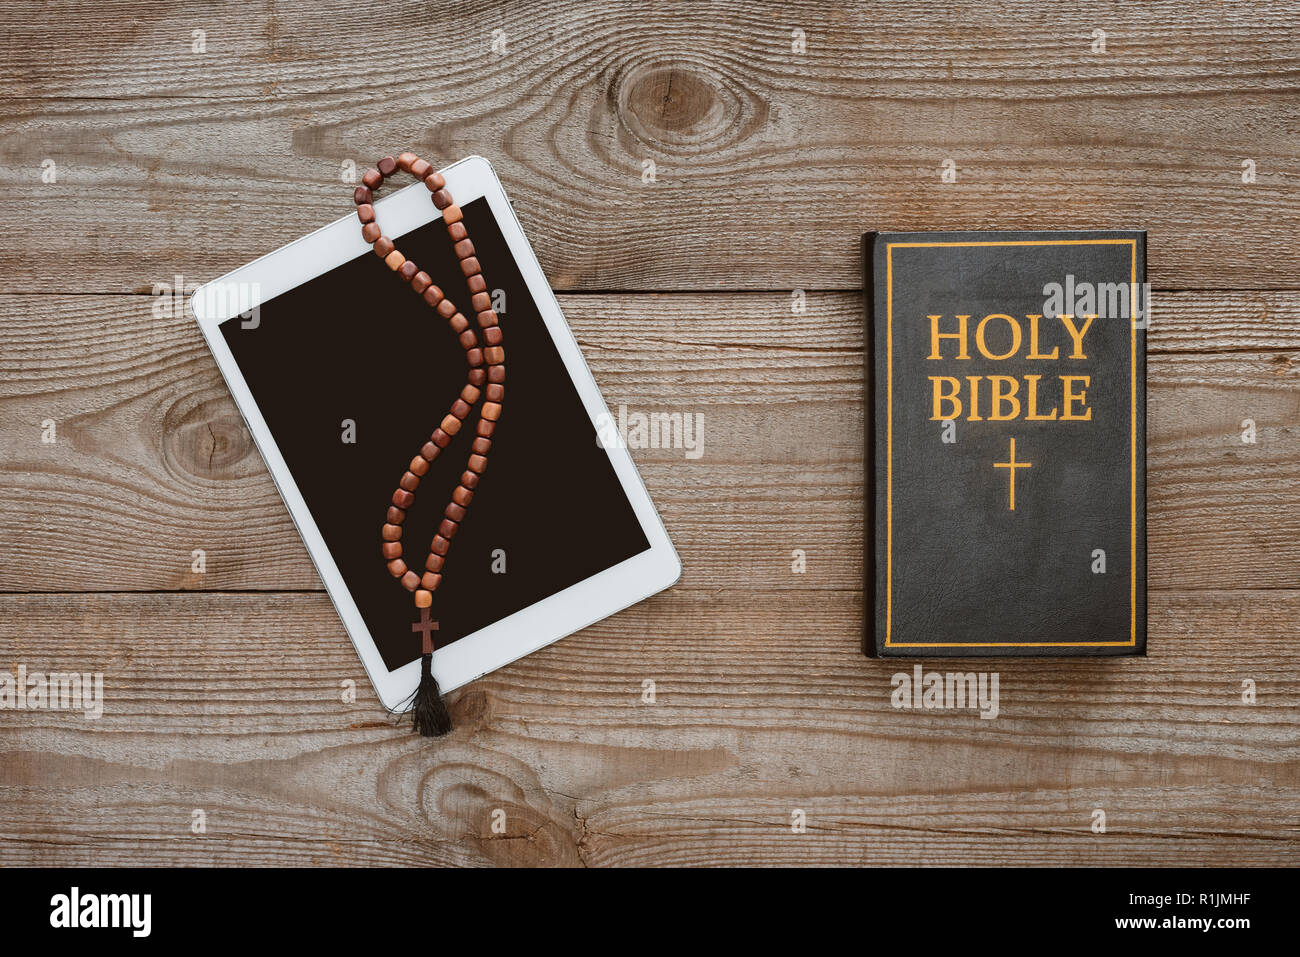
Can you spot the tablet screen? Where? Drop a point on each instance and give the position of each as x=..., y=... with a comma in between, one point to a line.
x=352, y=372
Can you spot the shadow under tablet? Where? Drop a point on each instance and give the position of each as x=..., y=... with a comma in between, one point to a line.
x=356, y=343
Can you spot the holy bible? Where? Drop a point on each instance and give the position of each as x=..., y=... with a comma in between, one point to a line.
x=1007, y=443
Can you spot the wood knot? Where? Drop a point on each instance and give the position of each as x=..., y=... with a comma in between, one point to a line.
x=207, y=439
x=470, y=708
x=685, y=107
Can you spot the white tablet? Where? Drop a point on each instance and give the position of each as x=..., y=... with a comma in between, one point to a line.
x=342, y=373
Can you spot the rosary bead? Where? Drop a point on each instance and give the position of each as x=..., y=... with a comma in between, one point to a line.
x=481, y=384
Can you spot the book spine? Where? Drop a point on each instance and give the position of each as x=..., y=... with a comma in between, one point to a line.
x=869, y=644
x=1141, y=589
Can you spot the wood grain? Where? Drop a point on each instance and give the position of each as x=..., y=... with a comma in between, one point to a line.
x=153, y=459
x=225, y=691
x=761, y=707
x=769, y=163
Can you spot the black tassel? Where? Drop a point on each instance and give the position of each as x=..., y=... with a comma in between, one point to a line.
x=429, y=715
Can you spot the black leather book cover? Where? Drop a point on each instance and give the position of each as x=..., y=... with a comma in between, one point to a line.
x=1006, y=436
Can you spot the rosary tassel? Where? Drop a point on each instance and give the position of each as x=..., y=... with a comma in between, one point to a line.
x=429, y=715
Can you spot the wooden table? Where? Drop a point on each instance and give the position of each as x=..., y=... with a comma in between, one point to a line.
x=778, y=135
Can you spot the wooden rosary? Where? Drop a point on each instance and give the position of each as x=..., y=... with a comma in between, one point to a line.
x=486, y=382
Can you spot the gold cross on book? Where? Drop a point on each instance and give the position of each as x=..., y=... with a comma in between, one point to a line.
x=1011, y=465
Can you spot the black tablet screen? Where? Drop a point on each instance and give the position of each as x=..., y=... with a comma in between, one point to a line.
x=355, y=354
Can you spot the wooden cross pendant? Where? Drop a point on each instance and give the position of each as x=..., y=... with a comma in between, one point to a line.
x=426, y=627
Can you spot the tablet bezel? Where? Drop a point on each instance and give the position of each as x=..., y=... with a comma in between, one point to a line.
x=528, y=629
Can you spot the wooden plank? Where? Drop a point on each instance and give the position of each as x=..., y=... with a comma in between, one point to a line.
x=230, y=703
x=153, y=460
x=1201, y=321
x=118, y=48
x=135, y=48
x=769, y=163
